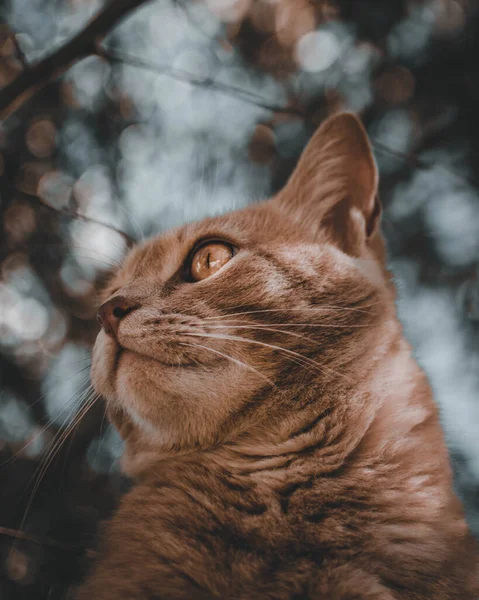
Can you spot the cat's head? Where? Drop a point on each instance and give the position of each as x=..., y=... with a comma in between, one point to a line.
x=239, y=322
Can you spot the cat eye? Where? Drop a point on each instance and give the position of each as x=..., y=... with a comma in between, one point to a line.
x=209, y=259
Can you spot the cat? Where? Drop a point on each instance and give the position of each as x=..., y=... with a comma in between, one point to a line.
x=283, y=441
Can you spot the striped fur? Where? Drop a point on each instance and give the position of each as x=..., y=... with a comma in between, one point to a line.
x=284, y=442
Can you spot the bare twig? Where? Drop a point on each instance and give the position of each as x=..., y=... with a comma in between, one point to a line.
x=413, y=160
x=81, y=45
x=88, y=42
x=406, y=158
x=184, y=6
x=115, y=55
x=22, y=535
x=75, y=215
x=20, y=53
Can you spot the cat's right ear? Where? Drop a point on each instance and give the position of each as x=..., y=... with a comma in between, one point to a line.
x=334, y=188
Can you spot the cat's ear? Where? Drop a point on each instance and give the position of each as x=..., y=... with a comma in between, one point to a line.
x=334, y=187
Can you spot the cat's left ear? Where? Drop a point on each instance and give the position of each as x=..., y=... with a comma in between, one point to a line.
x=334, y=187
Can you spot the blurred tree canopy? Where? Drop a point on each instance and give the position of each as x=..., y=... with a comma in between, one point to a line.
x=124, y=118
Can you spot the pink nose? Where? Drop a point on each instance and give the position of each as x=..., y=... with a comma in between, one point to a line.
x=112, y=312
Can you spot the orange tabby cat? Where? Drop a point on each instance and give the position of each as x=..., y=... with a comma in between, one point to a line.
x=283, y=440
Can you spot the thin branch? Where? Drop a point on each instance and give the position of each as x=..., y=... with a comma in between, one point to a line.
x=251, y=98
x=410, y=159
x=420, y=164
x=19, y=52
x=39, y=74
x=75, y=215
x=23, y=535
x=184, y=7
x=88, y=42
x=247, y=96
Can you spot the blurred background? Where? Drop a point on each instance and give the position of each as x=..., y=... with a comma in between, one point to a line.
x=190, y=108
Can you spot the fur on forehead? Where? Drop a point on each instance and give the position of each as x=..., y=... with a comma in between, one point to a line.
x=331, y=197
x=262, y=223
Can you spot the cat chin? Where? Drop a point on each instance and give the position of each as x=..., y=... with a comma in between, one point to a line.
x=170, y=406
x=115, y=369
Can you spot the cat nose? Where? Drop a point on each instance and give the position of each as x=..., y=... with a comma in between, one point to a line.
x=112, y=312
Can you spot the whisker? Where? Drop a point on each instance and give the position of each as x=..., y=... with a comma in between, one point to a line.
x=88, y=400
x=54, y=448
x=41, y=471
x=71, y=404
x=309, y=309
x=235, y=360
x=133, y=222
x=101, y=433
x=112, y=265
x=262, y=327
x=51, y=445
x=76, y=362
x=265, y=326
x=82, y=370
x=295, y=357
x=73, y=246
x=321, y=368
x=51, y=387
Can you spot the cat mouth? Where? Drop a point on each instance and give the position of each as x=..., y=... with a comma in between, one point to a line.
x=121, y=350
x=171, y=358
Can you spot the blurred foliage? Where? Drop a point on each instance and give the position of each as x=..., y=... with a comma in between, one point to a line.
x=191, y=108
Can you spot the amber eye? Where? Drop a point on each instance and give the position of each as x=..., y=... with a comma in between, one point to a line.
x=209, y=259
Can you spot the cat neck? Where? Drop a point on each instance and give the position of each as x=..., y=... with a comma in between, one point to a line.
x=383, y=412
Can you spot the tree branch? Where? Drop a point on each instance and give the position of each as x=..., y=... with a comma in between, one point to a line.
x=239, y=93
x=250, y=97
x=23, y=535
x=80, y=46
x=130, y=241
x=88, y=42
x=19, y=52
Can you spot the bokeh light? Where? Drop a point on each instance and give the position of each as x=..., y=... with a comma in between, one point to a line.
x=183, y=120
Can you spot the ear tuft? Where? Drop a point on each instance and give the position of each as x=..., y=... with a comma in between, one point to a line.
x=336, y=176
